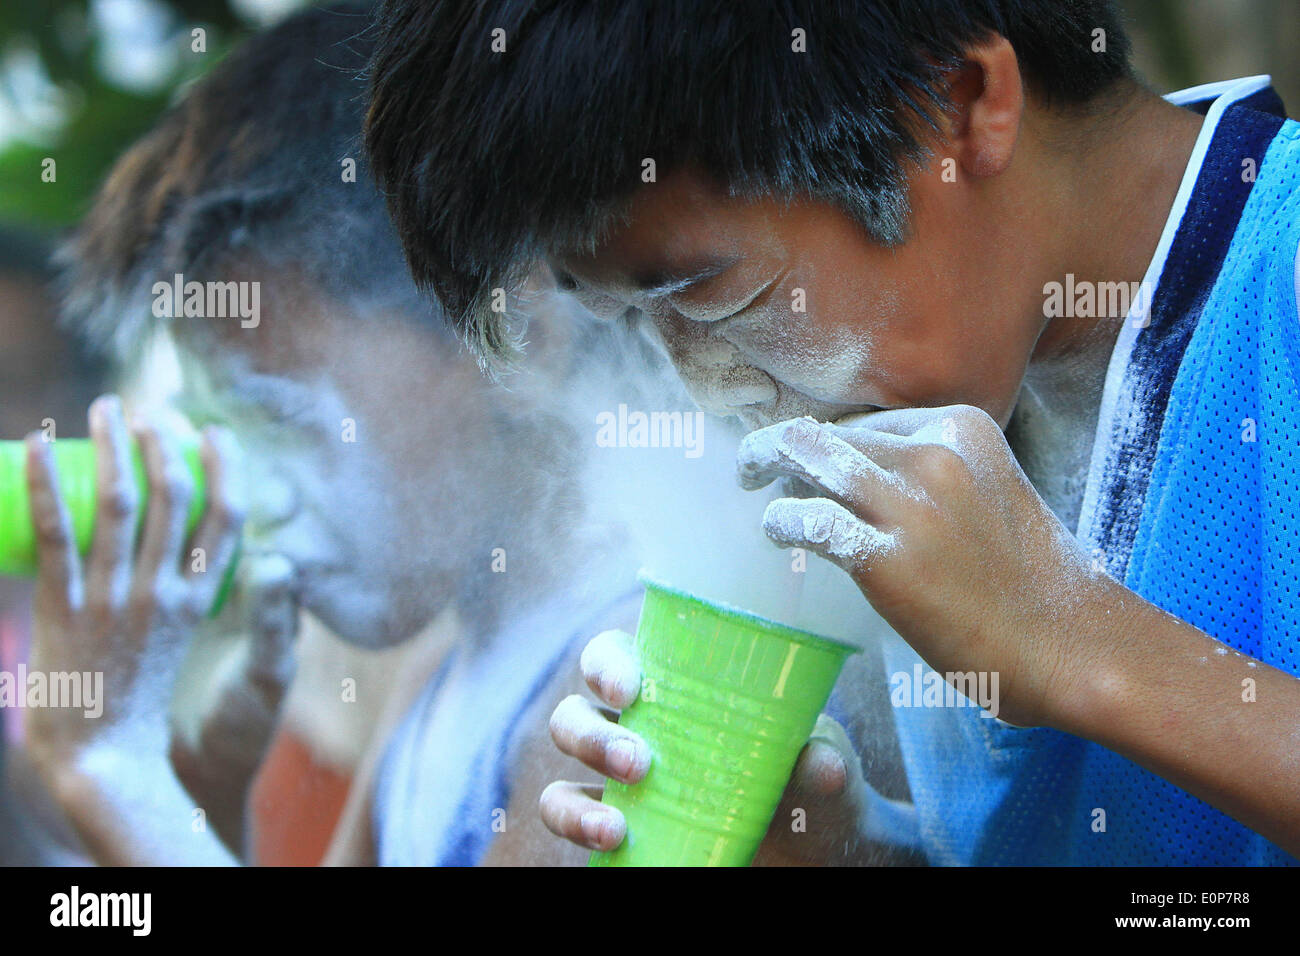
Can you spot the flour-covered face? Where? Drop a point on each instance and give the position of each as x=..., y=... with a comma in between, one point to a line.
x=369, y=463
x=771, y=310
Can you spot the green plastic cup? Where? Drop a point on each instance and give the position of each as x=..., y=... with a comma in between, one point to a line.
x=728, y=700
x=74, y=460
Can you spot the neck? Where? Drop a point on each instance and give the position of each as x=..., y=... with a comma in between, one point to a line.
x=1117, y=190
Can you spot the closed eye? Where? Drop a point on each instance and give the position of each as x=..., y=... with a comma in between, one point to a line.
x=730, y=311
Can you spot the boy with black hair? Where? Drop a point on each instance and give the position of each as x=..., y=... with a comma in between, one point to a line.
x=968, y=226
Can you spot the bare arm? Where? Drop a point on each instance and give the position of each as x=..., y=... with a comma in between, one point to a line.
x=1214, y=722
x=935, y=496
x=217, y=760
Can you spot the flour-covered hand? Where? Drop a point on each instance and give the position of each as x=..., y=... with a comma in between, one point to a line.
x=930, y=513
x=127, y=609
x=826, y=787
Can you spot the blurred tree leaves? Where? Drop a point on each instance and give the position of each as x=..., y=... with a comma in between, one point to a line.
x=1164, y=27
x=89, y=144
x=1182, y=43
x=103, y=118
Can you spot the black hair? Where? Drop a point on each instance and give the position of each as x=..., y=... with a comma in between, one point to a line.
x=491, y=158
x=247, y=166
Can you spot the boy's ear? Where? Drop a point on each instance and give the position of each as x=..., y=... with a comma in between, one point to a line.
x=988, y=95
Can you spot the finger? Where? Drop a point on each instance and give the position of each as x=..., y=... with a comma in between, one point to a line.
x=171, y=490
x=824, y=794
x=827, y=528
x=217, y=535
x=57, y=562
x=272, y=602
x=823, y=766
x=903, y=422
x=803, y=448
x=580, y=731
x=571, y=811
x=886, y=449
x=117, y=506
x=832, y=731
x=880, y=819
x=609, y=666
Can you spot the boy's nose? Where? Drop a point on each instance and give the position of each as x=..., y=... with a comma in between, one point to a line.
x=717, y=377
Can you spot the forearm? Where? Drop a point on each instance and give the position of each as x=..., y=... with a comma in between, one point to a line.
x=132, y=811
x=1214, y=722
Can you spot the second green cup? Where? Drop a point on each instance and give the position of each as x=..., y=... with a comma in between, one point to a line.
x=74, y=460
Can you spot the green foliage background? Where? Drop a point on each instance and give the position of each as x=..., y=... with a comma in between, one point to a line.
x=107, y=119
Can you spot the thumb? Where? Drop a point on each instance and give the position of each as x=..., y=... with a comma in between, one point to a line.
x=817, y=820
x=823, y=768
x=829, y=751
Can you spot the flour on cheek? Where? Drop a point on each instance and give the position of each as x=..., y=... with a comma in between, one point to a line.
x=827, y=363
x=825, y=527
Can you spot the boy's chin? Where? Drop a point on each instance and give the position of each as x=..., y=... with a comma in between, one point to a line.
x=362, y=615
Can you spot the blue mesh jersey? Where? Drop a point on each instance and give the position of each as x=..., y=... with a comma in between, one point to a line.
x=1192, y=501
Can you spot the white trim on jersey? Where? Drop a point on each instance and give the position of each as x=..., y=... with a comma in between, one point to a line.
x=1297, y=284
x=1224, y=95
